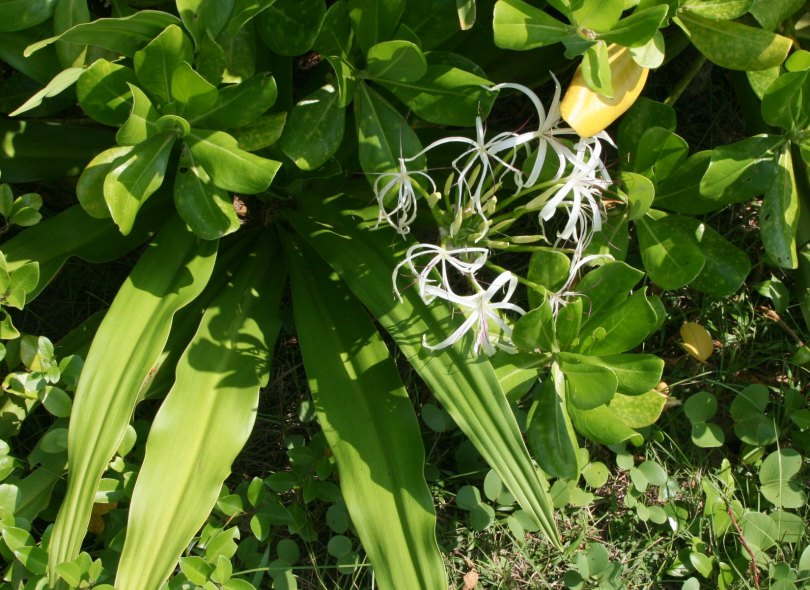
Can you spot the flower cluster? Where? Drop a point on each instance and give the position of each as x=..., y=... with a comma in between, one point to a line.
x=549, y=170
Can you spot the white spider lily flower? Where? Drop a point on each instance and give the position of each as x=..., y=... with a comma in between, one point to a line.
x=438, y=257
x=482, y=316
x=548, y=128
x=482, y=152
x=579, y=195
x=402, y=214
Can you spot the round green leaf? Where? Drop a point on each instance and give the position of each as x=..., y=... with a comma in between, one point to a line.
x=103, y=92
x=290, y=27
x=777, y=478
x=396, y=60
x=700, y=407
x=314, y=129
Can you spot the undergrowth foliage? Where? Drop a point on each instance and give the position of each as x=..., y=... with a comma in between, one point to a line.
x=343, y=179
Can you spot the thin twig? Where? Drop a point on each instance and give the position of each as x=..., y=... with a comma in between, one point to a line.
x=754, y=569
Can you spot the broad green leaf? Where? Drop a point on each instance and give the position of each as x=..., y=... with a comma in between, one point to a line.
x=602, y=425
x=69, y=13
x=620, y=328
x=638, y=411
x=777, y=475
x=637, y=29
x=644, y=113
x=262, y=133
x=345, y=78
x=680, y=192
x=726, y=265
x=205, y=18
x=244, y=11
x=207, y=209
x=383, y=134
x=549, y=431
x=760, y=532
x=41, y=67
x=640, y=193
x=396, y=60
x=90, y=187
x=193, y=95
x=290, y=27
x=374, y=21
x=314, y=129
x=467, y=388
x=155, y=64
x=241, y=104
x=549, y=269
x=733, y=45
x=445, y=95
x=36, y=150
x=652, y=54
x=142, y=121
x=230, y=167
x=707, y=435
x=433, y=22
x=718, y=9
x=124, y=35
x=62, y=81
x=770, y=13
x=785, y=101
x=671, y=259
x=568, y=323
x=587, y=386
x=170, y=274
x=535, y=330
x=608, y=284
x=104, y=93
x=135, y=177
x=779, y=215
x=700, y=407
x=191, y=447
x=635, y=373
x=520, y=26
x=596, y=15
x=370, y=425
x=16, y=15
x=596, y=69
x=742, y=170
x=335, y=36
x=659, y=153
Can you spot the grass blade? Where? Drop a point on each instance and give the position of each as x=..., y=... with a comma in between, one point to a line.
x=191, y=445
x=370, y=425
x=171, y=273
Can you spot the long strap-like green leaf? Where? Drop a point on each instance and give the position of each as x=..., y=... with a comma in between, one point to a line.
x=370, y=425
x=172, y=271
x=467, y=387
x=205, y=419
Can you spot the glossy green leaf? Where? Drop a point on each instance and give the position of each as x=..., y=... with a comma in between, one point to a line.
x=124, y=35
x=467, y=388
x=635, y=373
x=640, y=193
x=549, y=431
x=204, y=18
x=535, y=330
x=718, y=9
x=142, y=121
x=40, y=67
x=171, y=273
x=520, y=26
x=371, y=427
x=135, y=177
x=619, y=328
x=241, y=104
x=90, y=187
x=104, y=93
x=206, y=208
x=193, y=95
x=345, y=78
x=261, y=133
x=396, y=60
x=644, y=113
x=374, y=21
x=659, y=153
x=596, y=15
x=432, y=22
x=335, y=36
x=779, y=215
x=742, y=170
x=244, y=11
x=707, y=435
x=680, y=192
x=191, y=446
x=290, y=27
x=777, y=475
x=652, y=53
x=726, y=266
x=587, y=386
x=671, y=259
x=603, y=425
x=67, y=14
x=607, y=285
x=156, y=63
x=16, y=15
x=700, y=407
x=383, y=134
x=37, y=150
x=230, y=167
x=62, y=81
x=734, y=45
x=784, y=103
x=445, y=95
x=637, y=29
x=549, y=269
x=770, y=13
x=314, y=129
x=596, y=69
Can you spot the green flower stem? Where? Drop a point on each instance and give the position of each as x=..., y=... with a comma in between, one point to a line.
x=685, y=81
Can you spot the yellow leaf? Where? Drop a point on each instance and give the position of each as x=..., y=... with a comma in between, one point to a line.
x=697, y=341
x=587, y=111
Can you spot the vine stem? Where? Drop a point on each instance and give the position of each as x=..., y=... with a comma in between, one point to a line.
x=754, y=570
x=685, y=81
